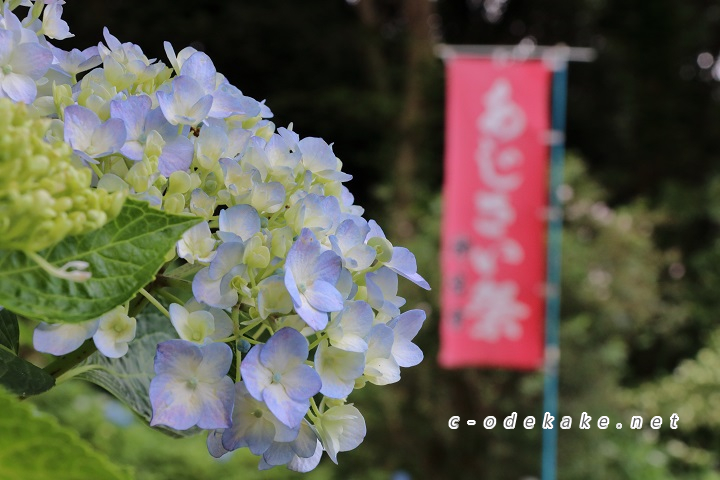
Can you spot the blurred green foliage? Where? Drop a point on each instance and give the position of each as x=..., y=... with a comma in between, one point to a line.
x=113, y=431
x=34, y=446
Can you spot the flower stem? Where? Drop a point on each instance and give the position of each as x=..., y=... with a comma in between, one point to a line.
x=314, y=407
x=169, y=296
x=152, y=300
x=317, y=341
x=229, y=339
x=249, y=327
x=237, y=335
x=67, y=362
x=97, y=170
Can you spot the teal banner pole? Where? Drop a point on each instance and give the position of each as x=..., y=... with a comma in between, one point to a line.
x=554, y=245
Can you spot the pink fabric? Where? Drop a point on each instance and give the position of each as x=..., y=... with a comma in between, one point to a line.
x=493, y=254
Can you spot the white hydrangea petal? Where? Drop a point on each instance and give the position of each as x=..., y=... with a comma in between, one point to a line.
x=115, y=330
x=62, y=338
x=7, y=44
x=317, y=154
x=31, y=59
x=19, y=88
x=338, y=370
x=200, y=68
x=107, y=138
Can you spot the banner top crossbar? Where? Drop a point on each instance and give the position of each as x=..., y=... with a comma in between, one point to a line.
x=522, y=51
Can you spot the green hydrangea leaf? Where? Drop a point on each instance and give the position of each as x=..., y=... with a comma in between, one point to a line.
x=34, y=446
x=19, y=376
x=128, y=378
x=9, y=331
x=22, y=377
x=124, y=256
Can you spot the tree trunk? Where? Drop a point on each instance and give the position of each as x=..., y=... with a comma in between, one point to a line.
x=418, y=54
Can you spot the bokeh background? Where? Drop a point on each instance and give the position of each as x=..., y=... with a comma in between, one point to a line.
x=641, y=259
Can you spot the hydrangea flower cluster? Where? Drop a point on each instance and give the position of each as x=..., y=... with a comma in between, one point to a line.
x=35, y=173
x=285, y=278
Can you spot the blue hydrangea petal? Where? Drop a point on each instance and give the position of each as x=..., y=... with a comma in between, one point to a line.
x=132, y=112
x=279, y=453
x=216, y=360
x=199, y=110
x=214, y=443
x=177, y=155
x=380, y=341
x=209, y=290
x=228, y=256
x=259, y=436
x=303, y=255
x=375, y=230
x=324, y=297
x=287, y=410
x=255, y=375
x=403, y=262
x=286, y=349
x=80, y=122
x=315, y=319
x=229, y=100
x=217, y=402
x=173, y=403
x=327, y=268
x=177, y=357
x=303, y=465
x=405, y=328
x=302, y=382
x=291, y=286
x=242, y=220
x=305, y=443
x=107, y=138
x=200, y=68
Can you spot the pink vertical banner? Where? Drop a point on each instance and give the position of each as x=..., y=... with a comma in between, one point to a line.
x=493, y=246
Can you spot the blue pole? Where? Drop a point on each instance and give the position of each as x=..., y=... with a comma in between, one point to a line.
x=554, y=244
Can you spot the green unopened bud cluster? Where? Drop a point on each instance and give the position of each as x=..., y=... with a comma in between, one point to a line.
x=44, y=197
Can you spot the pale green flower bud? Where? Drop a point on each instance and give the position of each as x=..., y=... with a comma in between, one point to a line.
x=256, y=254
x=383, y=248
x=282, y=240
x=62, y=96
x=179, y=182
x=44, y=196
x=138, y=177
x=201, y=204
x=174, y=203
